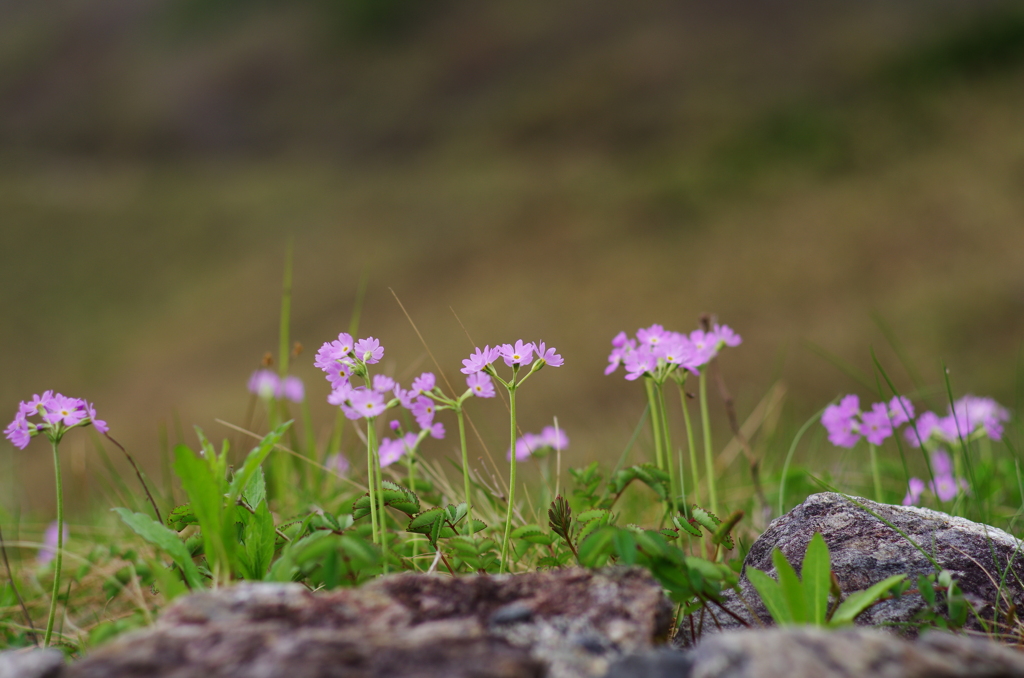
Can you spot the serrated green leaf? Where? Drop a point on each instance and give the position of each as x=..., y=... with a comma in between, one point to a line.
x=166, y=540
x=792, y=588
x=256, y=490
x=771, y=596
x=587, y=529
x=709, y=521
x=593, y=514
x=816, y=576
x=669, y=534
x=687, y=526
x=532, y=534
x=475, y=526
x=395, y=496
x=595, y=549
x=181, y=517
x=722, y=532
x=859, y=601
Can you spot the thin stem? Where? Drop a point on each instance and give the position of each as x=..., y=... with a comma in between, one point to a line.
x=652, y=400
x=874, y=473
x=371, y=442
x=689, y=442
x=465, y=470
x=512, y=479
x=138, y=474
x=705, y=422
x=60, y=547
x=17, y=593
x=412, y=487
x=371, y=484
x=676, y=485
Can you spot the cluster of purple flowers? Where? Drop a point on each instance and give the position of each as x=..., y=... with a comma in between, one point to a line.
x=945, y=486
x=57, y=414
x=266, y=384
x=656, y=349
x=966, y=417
x=513, y=355
x=846, y=423
x=549, y=438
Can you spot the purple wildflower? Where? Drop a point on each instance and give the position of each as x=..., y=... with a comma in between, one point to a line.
x=519, y=354
x=63, y=410
x=554, y=438
x=391, y=451
x=726, y=335
x=901, y=410
x=338, y=464
x=423, y=410
x=49, y=549
x=840, y=422
x=338, y=373
x=875, y=425
x=705, y=346
x=405, y=397
x=914, y=490
x=532, y=443
x=263, y=383
x=481, y=385
x=639, y=363
x=423, y=383
x=334, y=351
x=383, y=383
x=548, y=355
x=291, y=389
x=90, y=412
x=395, y=424
x=36, y=404
x=480, y=359
x=622, y=346
x=651, y=336
x=369, y=350
x=19, y=431
x=941, y=464
x=944, y=487
x=437, y=430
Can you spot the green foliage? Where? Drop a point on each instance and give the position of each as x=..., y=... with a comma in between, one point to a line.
x=792, y=600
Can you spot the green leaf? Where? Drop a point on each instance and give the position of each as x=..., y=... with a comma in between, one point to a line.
x=625, y=547
x=595, y=549
x=181, y=517
x=816, y=575
x=532, y=534
x=165, y=539
x=927, y=589
x=688, y=526
x=395, y=496
x=792, y=589
x=259, y=540
x=256, y=490
x=253, y=461
x=771, y=595
x=593, y=514
x=456, y=513
x=206, y=496
x=709, y=521
x=859, y=601
x=722, y=534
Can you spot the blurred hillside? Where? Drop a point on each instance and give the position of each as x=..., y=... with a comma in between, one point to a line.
x=556, y=171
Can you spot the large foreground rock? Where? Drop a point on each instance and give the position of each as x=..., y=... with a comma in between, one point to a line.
x=567, y=623
x=866, y=550
x=817, y=653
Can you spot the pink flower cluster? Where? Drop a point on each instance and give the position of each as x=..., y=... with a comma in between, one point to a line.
x=967, y=416
x=513, y=354
x=845, y=422
x=57, y=414
x=655, y=347
x=945, y=486
x=532, y=443
x=266, y=384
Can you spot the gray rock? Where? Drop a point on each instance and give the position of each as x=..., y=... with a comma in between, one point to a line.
x=865, y=550
x=31, y=663
x=565, y=623
x=850, y=653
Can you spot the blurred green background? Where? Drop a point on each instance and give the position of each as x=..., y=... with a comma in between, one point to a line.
x=811, y=172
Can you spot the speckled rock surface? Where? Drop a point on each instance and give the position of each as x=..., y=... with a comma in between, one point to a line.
x=865, y=550
x=816, y=653
x=31, y=663
x=566, y=623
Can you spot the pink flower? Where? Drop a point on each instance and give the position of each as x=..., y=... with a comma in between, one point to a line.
x=548, y=355
x=291, y=388
x=437, y=430
x=480, y=359
x=901, y=410
x=705, y=346
x=725, y=335
x=481, y=385
x=90, y=411
x=423, y=383
x=841, y=422
x=391, y=451
x=944, y=487
x=263, y=383
x=651, y=336
x=367, y=402
x=19, y=431
x=914, y=490
x=554, y=438
x=383, y=383
x=369, y=350
x=423, y=410
x=337, y=463
x=63, y=410
x=405, y=398
x=621, y=347
x=519, y=354
x=639, y=363
x=941, y=464
x=875, y=425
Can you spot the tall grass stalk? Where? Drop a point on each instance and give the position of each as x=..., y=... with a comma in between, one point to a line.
x=709, y=460
x=59, y=554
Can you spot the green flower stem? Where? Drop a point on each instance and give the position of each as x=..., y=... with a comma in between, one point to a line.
x=512, y=478
x=382, y=516
x=465, y=469
x=709, y=461
x=60, y=547
x=689, y=441
x=874, y=473
x=676, y=485
x=652, y=400
x=371, y=483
